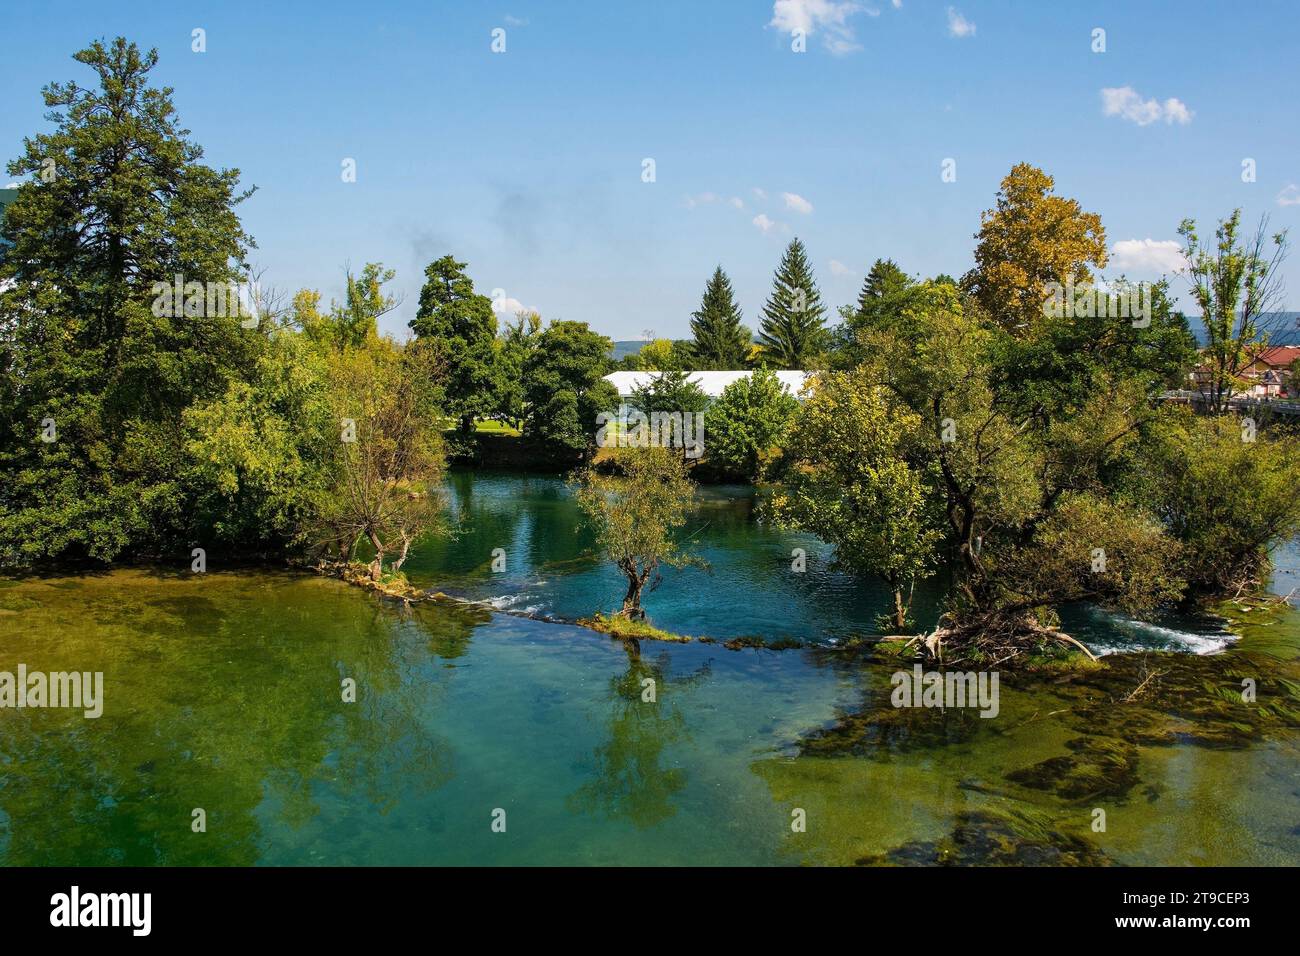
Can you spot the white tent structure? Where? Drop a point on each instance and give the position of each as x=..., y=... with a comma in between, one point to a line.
x=711, y=383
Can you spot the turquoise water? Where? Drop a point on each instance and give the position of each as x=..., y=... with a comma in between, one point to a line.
x=224, y=693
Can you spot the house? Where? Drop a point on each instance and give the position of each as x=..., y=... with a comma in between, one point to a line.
x=1268, y=376
x=711, y=383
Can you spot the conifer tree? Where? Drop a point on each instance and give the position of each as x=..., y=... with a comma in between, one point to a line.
x=793, y=332
x=720, y=340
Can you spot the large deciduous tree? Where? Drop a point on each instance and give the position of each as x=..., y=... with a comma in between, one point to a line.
x=1030, y=239
x=748, y=424
x=565, y=387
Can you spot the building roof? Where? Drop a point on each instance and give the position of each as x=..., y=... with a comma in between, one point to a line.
x=1279, y=356
x=711, y=383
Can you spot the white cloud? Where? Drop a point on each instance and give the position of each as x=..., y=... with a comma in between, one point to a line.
x=959, y=26
x=759, y=194
x=1289, y=196
x=703, y=199
x=1147, y=256
x=514, y=21
x=828, y=17
x=764, y=224
x=737, y=202
x=840, y=269
x=898, y=4
x=1126, y=102
x=509, y=306
x=797, y=203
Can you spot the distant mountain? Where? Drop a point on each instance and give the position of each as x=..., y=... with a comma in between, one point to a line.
x=1286, y=332
x=627, y=347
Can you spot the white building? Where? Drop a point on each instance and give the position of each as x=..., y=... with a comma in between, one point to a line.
x=711, y=383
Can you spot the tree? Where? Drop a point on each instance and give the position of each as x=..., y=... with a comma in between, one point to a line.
x=886, y=292
x=355, y=321
x=1030, y=239
x=390, y=452
x=749, y=423
x=659, y=355
x=1227, y=501
x=565, y=388
x=793, y=332
x=1238, y=287
x=119, y=207
x=670, y=392
x=514, y=348
x=719, y=341
x=464, y=322
x=636, y=515
x=1018, y=479
x=260, y=456
x=856, y=483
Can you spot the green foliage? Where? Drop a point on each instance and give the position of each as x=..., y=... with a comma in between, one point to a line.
x=673, y=391
x=356, y=320
x=793, y=332
x=719, y=340
x=565, y=387
x=636, y=515
x=129, y=205
x=388, y=451
x=661, y=355
x=857, y=482
x=463, y=322
x=261, y=454
x=514, y=348
x=1229, y=501
x=1238, y=288
x=748, y=424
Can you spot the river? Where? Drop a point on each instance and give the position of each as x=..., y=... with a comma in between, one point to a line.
x=223, y=693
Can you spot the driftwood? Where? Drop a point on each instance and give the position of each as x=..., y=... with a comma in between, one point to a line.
x=997, y=636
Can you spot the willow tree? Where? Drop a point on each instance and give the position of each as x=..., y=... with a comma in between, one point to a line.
x=637, y=516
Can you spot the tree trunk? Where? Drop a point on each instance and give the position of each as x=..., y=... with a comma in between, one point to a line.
x=900, y=610
x=377, y=565
x=632, y=600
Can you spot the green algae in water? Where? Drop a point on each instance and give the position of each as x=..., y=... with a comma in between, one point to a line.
x=223, y=692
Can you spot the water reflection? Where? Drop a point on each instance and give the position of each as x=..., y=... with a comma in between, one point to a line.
x=630, y=781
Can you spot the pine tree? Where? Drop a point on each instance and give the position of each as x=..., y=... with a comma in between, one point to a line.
x=793, y=332
x=720, y=340
x=883, y=282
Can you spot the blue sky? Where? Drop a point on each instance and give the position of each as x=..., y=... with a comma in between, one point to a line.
x=528, y=163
